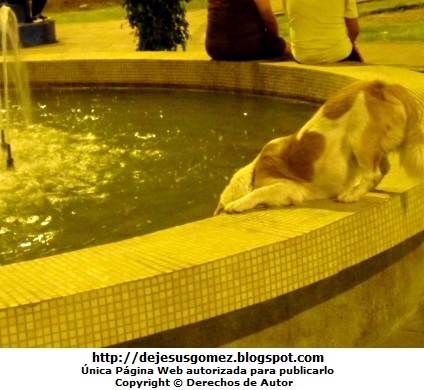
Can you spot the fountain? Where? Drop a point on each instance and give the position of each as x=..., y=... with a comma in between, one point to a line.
x=14, y=74
x=323, y=275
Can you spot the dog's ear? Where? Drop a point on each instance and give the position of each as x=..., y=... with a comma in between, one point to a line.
x=220, y=209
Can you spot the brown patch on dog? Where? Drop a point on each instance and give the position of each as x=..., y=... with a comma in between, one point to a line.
x=289, y=158
x=342, y=102
x=304, y=153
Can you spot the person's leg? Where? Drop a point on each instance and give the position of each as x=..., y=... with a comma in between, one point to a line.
x=266, y=46
x=354, y=56
x=37, y=7
x=22, y=10
x=272, y=46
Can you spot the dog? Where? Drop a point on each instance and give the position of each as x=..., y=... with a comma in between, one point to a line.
x=341, y=152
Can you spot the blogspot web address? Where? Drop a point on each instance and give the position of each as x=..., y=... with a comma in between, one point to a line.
x=136, y=370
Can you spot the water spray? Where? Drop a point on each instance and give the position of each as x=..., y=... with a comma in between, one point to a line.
x=9, y=49
x=14, y=75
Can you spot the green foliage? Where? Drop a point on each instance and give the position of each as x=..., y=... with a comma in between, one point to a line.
x=159, y=24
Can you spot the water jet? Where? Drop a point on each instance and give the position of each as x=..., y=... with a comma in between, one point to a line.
x=14, y=75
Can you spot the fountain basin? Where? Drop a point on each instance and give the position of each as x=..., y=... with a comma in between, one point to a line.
x=209, y=276
x=108, y=164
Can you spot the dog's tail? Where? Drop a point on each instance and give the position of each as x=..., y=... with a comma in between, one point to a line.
x=411, y=151
x=240, y=185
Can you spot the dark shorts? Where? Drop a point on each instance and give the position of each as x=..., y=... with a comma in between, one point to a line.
x=267, y=46
x=354, y=56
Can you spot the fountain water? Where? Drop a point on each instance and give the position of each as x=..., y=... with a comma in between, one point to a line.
x=14, y=75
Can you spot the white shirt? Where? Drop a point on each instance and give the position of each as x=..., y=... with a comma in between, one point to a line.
x=318, y=32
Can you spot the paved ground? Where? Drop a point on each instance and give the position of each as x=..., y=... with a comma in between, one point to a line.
x=116, y=37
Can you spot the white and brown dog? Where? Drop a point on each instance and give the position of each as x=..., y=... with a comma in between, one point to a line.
x=341, y=152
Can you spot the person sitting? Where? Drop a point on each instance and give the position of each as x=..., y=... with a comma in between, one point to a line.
x=323, y=31
x=242, y=30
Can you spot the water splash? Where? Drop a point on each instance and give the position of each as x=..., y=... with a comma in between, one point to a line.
x=15, y=80
x=94, y=168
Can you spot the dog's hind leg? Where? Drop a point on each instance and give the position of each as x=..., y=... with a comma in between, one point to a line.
x=283, y=193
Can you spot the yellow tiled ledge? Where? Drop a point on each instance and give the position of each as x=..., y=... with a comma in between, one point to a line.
x=130, y=289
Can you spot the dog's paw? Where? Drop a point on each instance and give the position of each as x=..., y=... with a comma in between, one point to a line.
x=220, y=209
x=349, y=197
x=238, y=206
